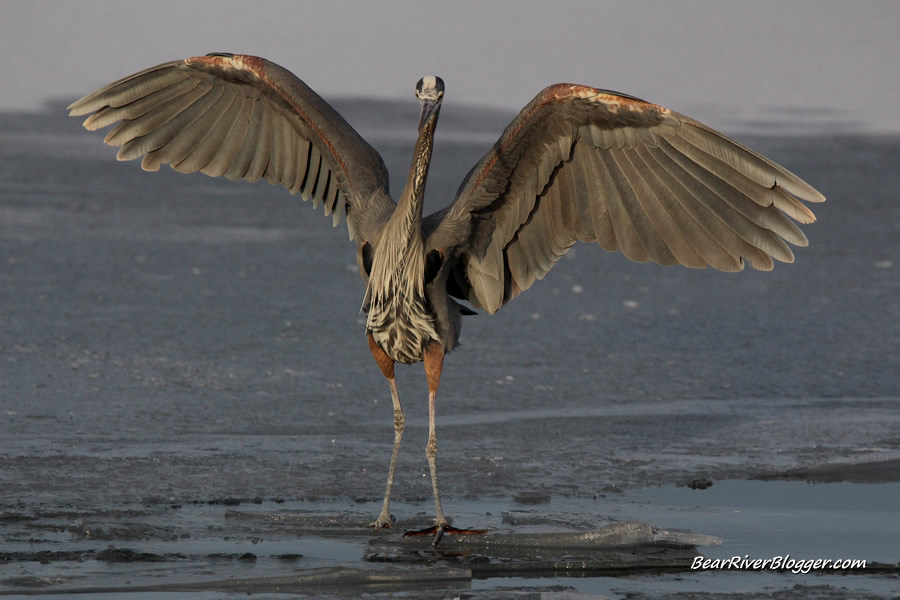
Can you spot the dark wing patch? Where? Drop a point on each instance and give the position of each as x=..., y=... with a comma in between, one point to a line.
x=433, y=262
x=367, y=253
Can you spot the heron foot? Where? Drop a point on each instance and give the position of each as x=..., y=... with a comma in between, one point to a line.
x=384, y=521
x=439, y=529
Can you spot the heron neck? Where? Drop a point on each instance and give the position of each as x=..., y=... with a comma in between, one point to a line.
x=398, y=265
x=412, y=200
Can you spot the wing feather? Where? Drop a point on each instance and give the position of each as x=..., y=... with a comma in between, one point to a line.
x=744, y=189
x=580, y=163
x=239, y=168
x=259, y=157
x=275, y=164
x=651, y=194
x=244, y=117
x=621, y=208
x=127, y=90
x=137, y=109
x=604, y=233
x=637, y=202
x=168, y=134
x=276, y=171
x=155, y=128
x=207, y=157
x=519, y=269
x=233, y=133
x=744, y=216
x=708, y=237
x=312, y=175
x=711, y=215
x=291, y=148
x=190, y=156
x=303, y=151
x=762, y=170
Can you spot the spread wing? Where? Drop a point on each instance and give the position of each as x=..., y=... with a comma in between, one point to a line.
x=244, y=117
x=582, y=164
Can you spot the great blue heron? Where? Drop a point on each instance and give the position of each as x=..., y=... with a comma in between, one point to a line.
x=576, y=164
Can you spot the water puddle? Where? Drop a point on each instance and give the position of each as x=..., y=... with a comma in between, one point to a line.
x=769, y=518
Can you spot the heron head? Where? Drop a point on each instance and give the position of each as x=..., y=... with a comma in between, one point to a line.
x=431, y=88
x=430, y=92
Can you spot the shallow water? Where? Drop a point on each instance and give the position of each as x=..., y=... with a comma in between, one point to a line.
x=189, y=407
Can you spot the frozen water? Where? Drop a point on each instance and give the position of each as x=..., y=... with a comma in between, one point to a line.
x=188, y=402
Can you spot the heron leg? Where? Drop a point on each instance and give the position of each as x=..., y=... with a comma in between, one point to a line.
x=434, y=363
x=387, y=368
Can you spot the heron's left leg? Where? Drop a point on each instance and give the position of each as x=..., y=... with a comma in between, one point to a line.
x=386, y=364
x=434, y=362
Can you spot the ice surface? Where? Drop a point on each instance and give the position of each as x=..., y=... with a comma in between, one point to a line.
x=630, y=546
x=186, y=393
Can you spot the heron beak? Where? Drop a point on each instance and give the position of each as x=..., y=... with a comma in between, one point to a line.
x=430, y=110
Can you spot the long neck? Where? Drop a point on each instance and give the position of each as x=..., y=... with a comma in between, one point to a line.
x=398, y=266
x=408, y=213
x=402, y=235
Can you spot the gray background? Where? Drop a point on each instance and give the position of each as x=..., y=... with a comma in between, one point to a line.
x=750, y=58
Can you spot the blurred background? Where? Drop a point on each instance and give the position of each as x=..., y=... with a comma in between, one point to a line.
x=810, y=59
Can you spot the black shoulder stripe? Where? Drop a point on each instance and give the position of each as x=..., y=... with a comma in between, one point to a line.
x=367, y=253
x=433, y=262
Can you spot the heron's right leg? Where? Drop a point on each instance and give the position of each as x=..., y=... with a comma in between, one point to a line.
x=387, y=368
